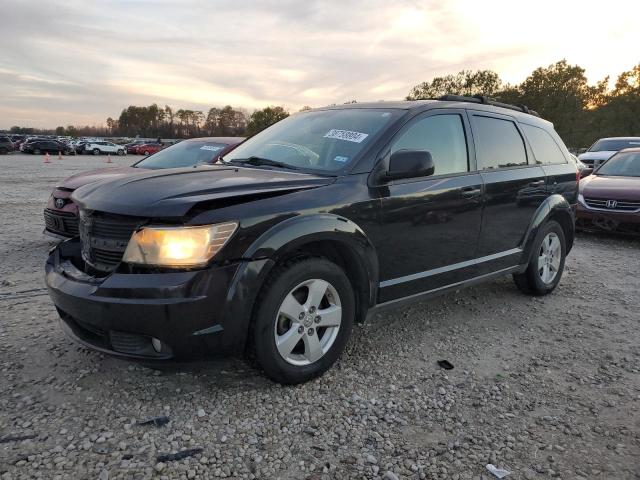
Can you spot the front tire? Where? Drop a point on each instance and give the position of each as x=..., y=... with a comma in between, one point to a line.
x=96, y=151
x=120, y=152
x=547, y=261
x=302, y=320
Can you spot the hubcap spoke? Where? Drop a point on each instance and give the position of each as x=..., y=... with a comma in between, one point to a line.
x=317, y=290
x=291, y=308
x=312, y=348
x=542, y=261
x=288, y=341
x=330, y=317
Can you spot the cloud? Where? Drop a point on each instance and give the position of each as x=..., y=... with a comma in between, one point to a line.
x=72, y=61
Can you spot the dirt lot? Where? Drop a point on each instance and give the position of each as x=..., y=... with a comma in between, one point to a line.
x=543, y=387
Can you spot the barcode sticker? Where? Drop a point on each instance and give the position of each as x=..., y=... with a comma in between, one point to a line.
x=346, y=135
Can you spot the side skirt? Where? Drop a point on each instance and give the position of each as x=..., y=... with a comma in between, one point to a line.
x=381, y=307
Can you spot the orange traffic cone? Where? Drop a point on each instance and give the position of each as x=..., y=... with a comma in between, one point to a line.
x=46, y=158
x=59, y=155
x=109, y=158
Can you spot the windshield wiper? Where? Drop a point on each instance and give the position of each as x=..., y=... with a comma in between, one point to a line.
x=259, y=161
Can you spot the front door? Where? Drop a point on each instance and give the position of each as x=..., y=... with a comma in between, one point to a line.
x=430, y=225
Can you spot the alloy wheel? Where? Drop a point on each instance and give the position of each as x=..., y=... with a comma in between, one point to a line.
x=308, y=322
x=549, y=258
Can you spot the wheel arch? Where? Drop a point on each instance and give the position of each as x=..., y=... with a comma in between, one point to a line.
x=330, y=236
x=557, y=208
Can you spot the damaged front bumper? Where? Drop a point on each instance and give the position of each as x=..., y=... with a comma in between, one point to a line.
x=145, y=316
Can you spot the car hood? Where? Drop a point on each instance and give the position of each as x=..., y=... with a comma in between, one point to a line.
x=80, y=179
x=611, y=188
x=173, y=192
x=604, y=155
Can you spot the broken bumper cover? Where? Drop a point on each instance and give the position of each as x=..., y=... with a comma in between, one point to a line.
x=122, y=314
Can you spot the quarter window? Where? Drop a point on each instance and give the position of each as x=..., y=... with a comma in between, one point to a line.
x=498, y=143
x=443, y=137
x=543, y=145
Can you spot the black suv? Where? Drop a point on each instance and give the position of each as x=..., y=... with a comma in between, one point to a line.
x=310, y=225
x=46, y=146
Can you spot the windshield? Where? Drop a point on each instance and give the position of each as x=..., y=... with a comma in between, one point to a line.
x=183, y=154
x=614, y=145
x=326, y=140
x=621, y=165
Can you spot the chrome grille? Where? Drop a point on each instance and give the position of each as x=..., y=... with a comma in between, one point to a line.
x=104, y=238
x=62, y=223
x=613, y=205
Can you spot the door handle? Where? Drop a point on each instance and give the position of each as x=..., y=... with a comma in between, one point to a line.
x=471, y=192
x=538, y=183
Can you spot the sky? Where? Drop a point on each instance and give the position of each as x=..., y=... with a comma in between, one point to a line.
x=78, y=62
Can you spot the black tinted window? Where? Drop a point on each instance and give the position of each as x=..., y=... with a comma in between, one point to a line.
x=498, y=143
x=544, y=147
x=443, y=137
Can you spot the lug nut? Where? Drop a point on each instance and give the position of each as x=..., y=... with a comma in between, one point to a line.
x=300, y=329
x=310, y=331
x=318, y=319
x=312, y=309
x=301, y=316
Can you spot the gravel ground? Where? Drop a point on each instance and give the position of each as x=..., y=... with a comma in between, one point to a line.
x=543, y=387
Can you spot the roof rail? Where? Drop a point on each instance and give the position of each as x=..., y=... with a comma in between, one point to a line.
x=488, y=101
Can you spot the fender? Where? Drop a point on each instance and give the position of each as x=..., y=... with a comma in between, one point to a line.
x=279, y=241
x=555, y=206
x=297, y=231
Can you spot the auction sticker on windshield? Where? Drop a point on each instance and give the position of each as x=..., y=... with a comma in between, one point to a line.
x=346, y=135
x=212, y=148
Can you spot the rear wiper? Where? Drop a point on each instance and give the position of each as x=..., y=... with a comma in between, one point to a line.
x=257, y=161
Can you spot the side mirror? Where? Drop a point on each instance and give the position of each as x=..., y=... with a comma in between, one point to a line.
x=410, y=164
x=586, y=172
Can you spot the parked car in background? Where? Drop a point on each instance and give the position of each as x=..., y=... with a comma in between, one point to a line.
x=312, y=224
x=102, y=147
x=131, y=147
x=61, y=214
x=605, y=148
x=53, y=147
x=610, y=198
x=148, y=148
x=6, y=145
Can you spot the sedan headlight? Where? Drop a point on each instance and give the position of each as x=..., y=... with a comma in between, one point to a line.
x=581, y=199
x=178, y=246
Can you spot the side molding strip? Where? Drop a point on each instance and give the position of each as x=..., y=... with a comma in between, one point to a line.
x=449, y=268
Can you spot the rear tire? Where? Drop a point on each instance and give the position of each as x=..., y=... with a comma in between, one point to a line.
x=96, y=151
x=36, y=151
x=120, y=152
x=547, y=261
x=146, y=152
x=302, y=320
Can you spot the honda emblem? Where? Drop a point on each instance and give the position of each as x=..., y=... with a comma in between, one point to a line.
x=612, y=203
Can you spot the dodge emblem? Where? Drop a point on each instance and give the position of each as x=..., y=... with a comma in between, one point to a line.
x=59, y=202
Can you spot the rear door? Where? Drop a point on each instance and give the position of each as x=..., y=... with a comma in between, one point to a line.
x=515, y=186
x=430, y=225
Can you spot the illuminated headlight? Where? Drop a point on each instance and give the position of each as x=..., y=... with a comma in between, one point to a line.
x=178, y=246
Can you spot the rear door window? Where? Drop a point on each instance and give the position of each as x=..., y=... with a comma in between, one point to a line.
x=498, y=143
x=545, y=148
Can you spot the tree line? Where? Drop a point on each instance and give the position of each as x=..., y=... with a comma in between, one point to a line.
x=165, y=122
x=560, y=93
